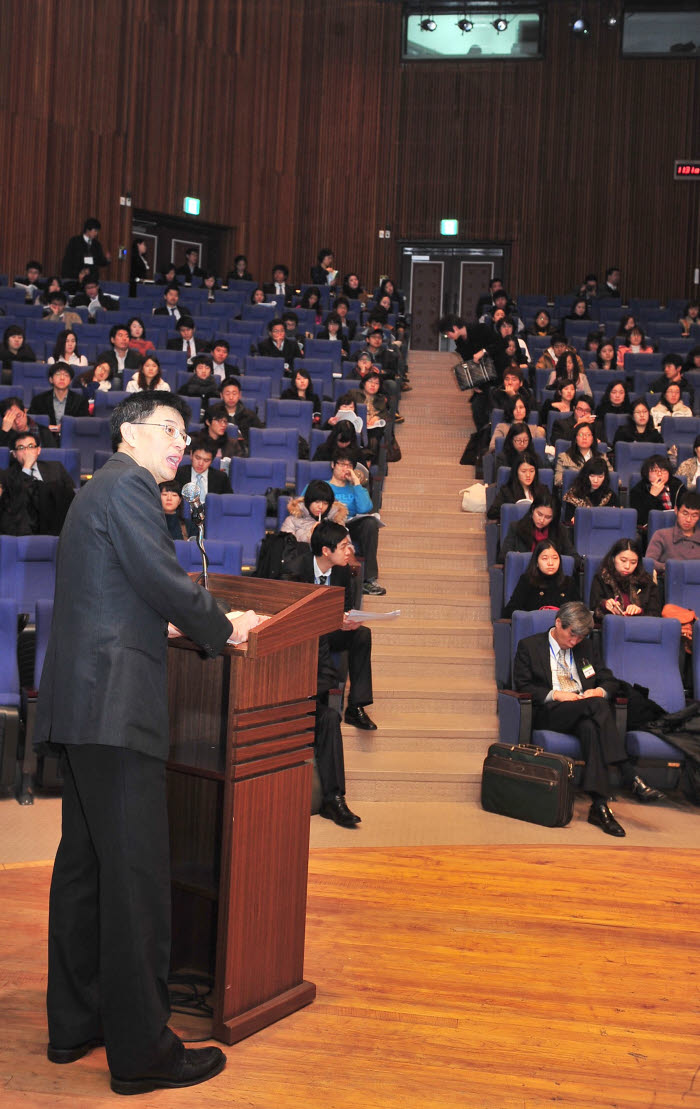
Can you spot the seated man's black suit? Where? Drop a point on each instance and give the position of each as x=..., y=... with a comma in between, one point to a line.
x=591, y=720
x=42, y=405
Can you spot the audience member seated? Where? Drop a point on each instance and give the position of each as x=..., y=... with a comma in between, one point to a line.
x=672, y=367
x=639, y=427
x=343, y=437
x=588, y=288
x=57, y=312
x=36, y=494
x=627, y=321
x=92, y=298
x=149, y=378
x=670, y=404
x=636, y=344
x=171, y=304
x=682, y=541
x=137, y=336
x=332, y=331
x=60, y=400
x=14, y=349
x=190, y=268
x=200, y=472
x=210, y=282
x=362, y=524
x=216, y=421
x=15, y=420
x=690, y=317
x=388, y=288
x=542, y=325
x=187, y=342
x=279, y=286
x=582, y=414
x=522, y=485
x=657, y=489
x=516, y=443
x=31, y=281
x=541, y=522
x=120, y=358
x=690, y=469
x=345, y=409
x=578, y=310
x=502, y=303
x=240, y=270
x=377, y=410
x=614, y=402
x=278, y=346
x=569, y=367
x=168, y=277
x=341, y=307
x=563, y=403
x=605, y=356
x=171, y=500
x=311, y=301
x=544, y=584
x=353, y=289
x=219, y=351
x=304, y=513
x=572, y=692
x=291, y=328
x=549, y=358
x=300, y=388
x=515, y=410
x=589, y=489
x=236, y=412
x=692, y=362
x=66, y=350
x=84, y=255
x=202, y=383
x=513, y=385
x=485, y=303
x=96, y=379
x=584, y=446
x=622, y=587
x=53, y=284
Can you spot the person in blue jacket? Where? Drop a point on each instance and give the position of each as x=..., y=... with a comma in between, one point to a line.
x=363, y=527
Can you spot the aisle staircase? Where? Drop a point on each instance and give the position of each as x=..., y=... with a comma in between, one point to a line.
x=434, y=688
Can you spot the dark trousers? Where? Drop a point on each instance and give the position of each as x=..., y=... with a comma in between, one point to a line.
x=109, y=910
x=358, y=644
x=592, y=721
x=328, y=744
x=364, y=533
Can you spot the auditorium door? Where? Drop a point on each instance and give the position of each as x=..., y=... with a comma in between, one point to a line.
x=438, y=278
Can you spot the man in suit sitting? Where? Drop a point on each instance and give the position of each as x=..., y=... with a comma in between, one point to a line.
x=201, y=473
x=191, y=268
x=92, y=298
x=40, y=491
x=219, y=350
x=279, y=286
x=571, y=691
x=171, y=304
x=329, y=558
x=121, y=357
x=278, y=346
x=14, y=418
x=58, y=401
x=187, y=342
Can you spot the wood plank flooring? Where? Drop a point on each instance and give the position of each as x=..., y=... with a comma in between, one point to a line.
x=497, y=978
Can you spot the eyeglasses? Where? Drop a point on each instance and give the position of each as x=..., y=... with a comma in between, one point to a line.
x=27, y=447
x=171, y=430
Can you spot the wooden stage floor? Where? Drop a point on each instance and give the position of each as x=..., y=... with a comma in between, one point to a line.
x=470, y=977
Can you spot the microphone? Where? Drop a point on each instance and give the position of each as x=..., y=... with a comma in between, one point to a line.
x=190, y=493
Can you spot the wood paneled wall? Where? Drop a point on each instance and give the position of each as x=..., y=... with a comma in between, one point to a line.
x=298, y=126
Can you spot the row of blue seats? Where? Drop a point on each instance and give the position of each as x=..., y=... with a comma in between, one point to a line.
x=599, y=307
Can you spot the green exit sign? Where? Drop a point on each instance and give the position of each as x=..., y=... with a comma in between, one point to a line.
x=449, y=226
x=191, y=205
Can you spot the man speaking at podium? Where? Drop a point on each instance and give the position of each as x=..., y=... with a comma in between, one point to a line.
x=103, y=706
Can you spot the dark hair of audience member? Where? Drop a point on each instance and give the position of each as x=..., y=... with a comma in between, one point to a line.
x=659, y=460
x=574, y=451
x=152, y=385
x=534, y=575
x=319, y=491
x=528, y=458
x=312, y=291
x=581, y=485
x=59, y=347
x=327, y=534
x=607, y=565
x=509, y=452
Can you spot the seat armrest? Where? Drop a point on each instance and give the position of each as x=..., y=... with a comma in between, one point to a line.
x=514, y=716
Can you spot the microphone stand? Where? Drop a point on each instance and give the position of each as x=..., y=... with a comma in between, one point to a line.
x=197, y=513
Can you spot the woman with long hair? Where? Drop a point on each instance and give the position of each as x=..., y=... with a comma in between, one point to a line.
x=622, y=587
x=584, y=446
x=517, y=441
x=690, y=317
x=568, y=368
x=544, y=584
x=311, y=299
x=639, y=427
x=670, y=403
x=66, y=350
x=589, y=489
x=97, y=379
x=171, y=500
x=516, y=410
x=301, y=388
x=542, y=325
x=635, y=343
x=541, y=522
x=605, y=356
x=148, y=378
x=522, y=485
x=137, y=336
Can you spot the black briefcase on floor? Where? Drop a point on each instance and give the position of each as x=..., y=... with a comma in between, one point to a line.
x=528, y=783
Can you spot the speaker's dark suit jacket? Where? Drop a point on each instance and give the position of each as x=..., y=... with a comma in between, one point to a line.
x=103, y=695
x=217, y=481
x=76, y=405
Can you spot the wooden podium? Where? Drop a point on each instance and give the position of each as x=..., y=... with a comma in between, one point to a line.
x=239, y=797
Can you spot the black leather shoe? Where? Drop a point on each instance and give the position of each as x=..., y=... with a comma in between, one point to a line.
x=198, y=1064
x=335, y=809
x=70, y=1054
x=600, y=814
x=358, y=718
x=644, y=793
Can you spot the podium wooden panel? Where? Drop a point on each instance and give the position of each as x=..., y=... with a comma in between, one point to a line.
x=239, y=796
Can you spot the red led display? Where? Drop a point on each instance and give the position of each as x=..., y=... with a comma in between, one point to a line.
x=685, y=170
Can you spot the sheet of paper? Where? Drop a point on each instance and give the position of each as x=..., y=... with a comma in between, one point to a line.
x=362, y=616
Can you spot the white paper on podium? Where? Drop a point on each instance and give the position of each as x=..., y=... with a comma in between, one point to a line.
x=362, y=616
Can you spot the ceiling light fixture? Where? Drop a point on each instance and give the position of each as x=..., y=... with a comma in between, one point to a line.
x=500, y=24
x=465, y=25
x=428, y=24
x=580, y=26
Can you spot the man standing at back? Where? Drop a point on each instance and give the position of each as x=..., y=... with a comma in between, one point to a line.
x=103, y=706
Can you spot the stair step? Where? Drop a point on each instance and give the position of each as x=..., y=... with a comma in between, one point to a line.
x=430, y=776
x=396, y=725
